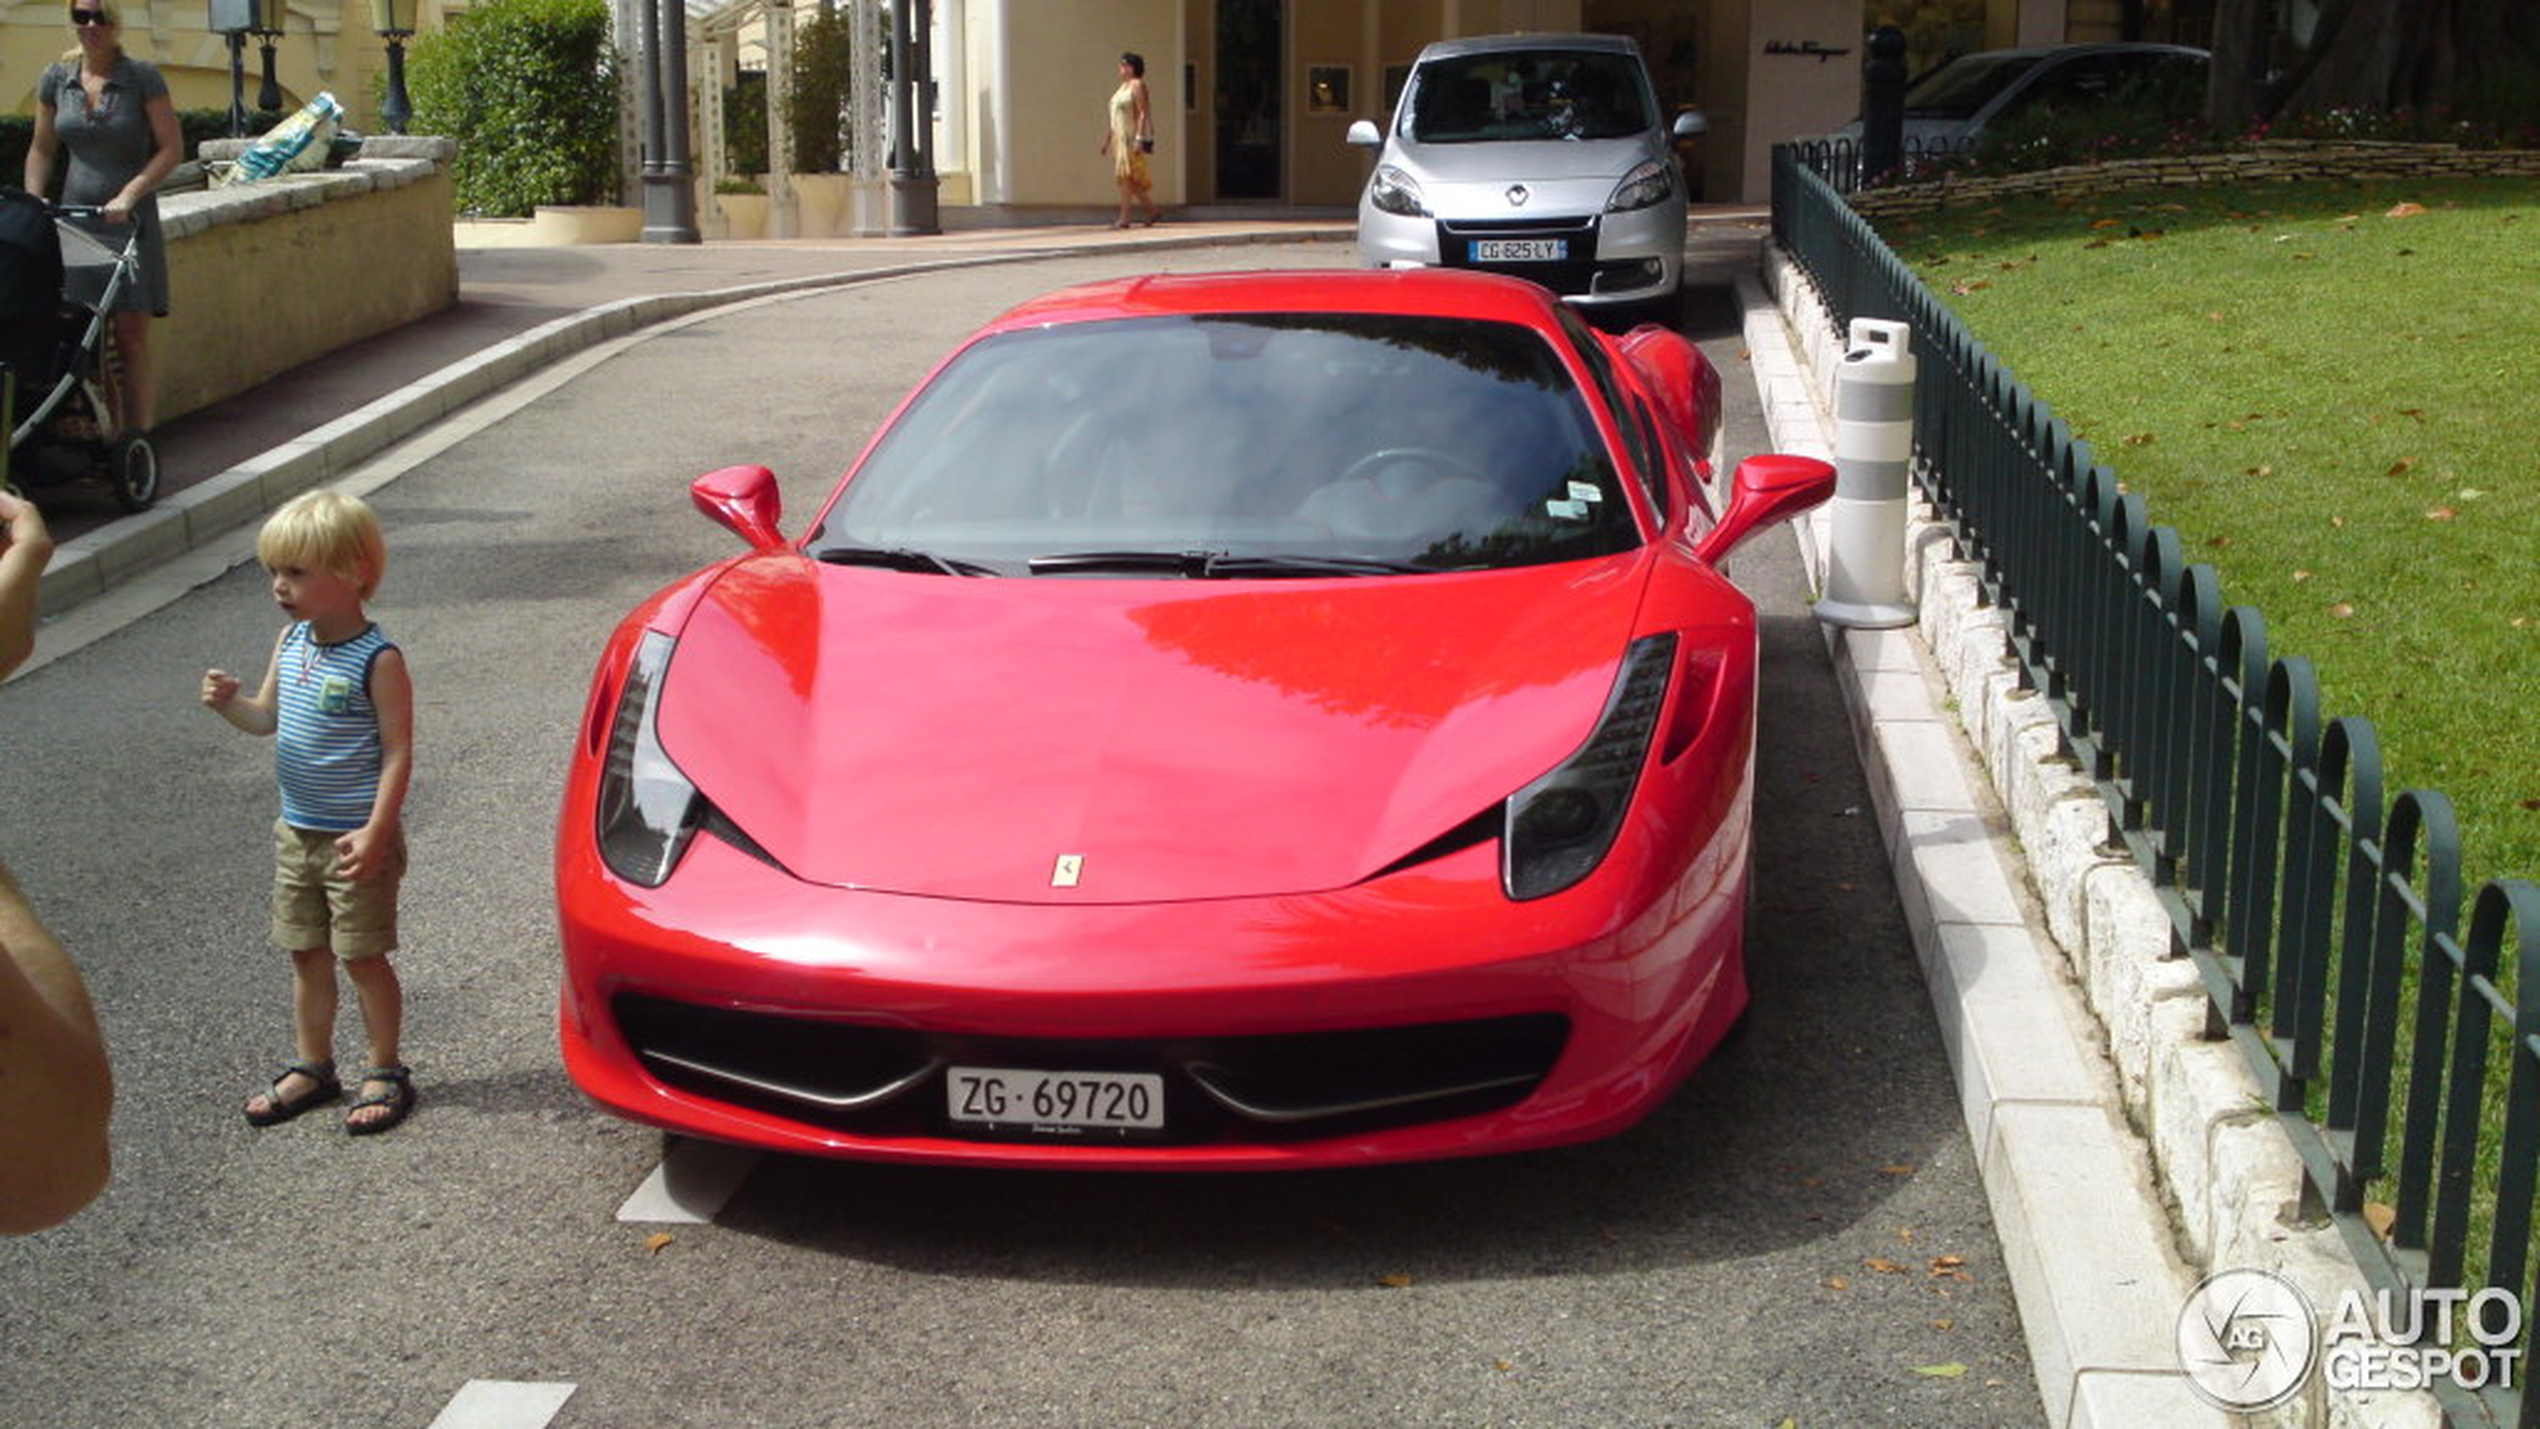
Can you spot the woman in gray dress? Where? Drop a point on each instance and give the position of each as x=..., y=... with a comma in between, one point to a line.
x=112, y=114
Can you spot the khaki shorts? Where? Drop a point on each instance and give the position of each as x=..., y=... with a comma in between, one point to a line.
x=316, y=907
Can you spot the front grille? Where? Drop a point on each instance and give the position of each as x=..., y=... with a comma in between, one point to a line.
x=885, y=1081
x=1571, y=275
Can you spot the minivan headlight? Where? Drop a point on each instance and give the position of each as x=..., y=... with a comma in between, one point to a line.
x=1648, y=183
x=1393, y=191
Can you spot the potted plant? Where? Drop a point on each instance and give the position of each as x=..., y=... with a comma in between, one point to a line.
x=816, y=112
x=743, y=202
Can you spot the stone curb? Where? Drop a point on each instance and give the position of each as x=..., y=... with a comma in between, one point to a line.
x=2126, y=1157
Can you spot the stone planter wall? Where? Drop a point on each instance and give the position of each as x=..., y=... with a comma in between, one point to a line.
x=268, y=275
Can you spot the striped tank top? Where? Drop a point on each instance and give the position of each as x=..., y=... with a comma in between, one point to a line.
x=326, y=732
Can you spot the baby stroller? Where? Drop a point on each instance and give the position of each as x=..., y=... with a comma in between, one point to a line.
x=59, y=372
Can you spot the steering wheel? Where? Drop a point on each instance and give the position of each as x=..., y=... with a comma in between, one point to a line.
x=1441, y=465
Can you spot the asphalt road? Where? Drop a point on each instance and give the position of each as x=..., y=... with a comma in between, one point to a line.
x=1797, y=1238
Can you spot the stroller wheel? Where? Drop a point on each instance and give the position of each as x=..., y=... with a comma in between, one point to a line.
x=132, y=464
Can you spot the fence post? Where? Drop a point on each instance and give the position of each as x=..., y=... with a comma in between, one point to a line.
x=1882, y=104
x=1873, y=445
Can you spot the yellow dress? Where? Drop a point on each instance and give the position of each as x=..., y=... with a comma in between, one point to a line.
x=1126, y=161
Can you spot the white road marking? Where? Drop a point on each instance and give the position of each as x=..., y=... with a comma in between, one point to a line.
x=502, y=1404
x=690, y=1185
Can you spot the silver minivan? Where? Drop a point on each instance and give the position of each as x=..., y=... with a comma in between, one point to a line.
x=1542, y=156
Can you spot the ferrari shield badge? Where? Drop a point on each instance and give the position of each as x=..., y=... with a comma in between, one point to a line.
x=1071, y=866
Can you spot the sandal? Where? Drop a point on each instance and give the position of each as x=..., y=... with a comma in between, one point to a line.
x=276, y=1110
x=399, y=1099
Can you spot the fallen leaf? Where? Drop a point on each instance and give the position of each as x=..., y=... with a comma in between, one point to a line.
x=2380, y=1218
x=1837, y=1282
x=1899, y=1169
x=1394, y=1282
x=1944, y=1324
x=1502, y=1366
x=2342, y=611
x=658, y=1242
x=2138, y=439
x=1883, y=1266
x=1944, y=1264
x=2401, y=466
x=2404, y=210
x=2441, y=513
x=1951, y=1370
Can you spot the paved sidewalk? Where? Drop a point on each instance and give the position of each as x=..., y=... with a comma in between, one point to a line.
x=2096, y=1280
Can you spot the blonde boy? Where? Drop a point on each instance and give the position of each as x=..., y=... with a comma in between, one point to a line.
x=340, y=704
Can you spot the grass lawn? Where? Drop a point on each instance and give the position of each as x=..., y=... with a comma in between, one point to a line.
x=2332, y=392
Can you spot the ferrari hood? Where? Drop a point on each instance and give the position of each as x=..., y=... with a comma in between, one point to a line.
x=1096, y=740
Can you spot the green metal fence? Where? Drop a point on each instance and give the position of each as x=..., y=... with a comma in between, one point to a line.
x=2399, y=1050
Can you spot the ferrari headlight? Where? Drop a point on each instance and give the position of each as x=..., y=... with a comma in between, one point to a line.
x=1394, y=191
x=1561, y=826
x=1644, y=186
x=647, y=809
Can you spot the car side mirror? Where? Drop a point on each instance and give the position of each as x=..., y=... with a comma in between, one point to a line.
x=1691, y=123
x=743, y=500
x=1364, y=134
x=1765, y=491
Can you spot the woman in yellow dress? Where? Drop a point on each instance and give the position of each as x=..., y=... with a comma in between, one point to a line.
x=1129, y=138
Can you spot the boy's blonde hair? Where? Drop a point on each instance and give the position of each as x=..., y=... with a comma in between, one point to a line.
x=328, y=531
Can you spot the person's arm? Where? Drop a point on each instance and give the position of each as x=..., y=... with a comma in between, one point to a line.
x=167, y=151
x=56, y=1089
x=360, y=853
x=253, y=715
x=1145, y=126
x=22, y=564
x=40, y=149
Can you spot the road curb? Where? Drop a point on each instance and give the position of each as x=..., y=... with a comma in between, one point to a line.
x=2086, y=1240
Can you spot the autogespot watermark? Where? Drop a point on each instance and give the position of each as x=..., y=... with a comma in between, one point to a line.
x=2248, y=1340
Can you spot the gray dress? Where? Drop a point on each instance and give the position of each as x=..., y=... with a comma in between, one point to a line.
x=107, y=145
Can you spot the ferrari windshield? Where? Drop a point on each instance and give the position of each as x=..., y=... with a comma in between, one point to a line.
x=1500, y=95
x=1238, y=446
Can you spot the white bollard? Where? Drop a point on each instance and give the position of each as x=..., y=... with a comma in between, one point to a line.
x=1873, y=447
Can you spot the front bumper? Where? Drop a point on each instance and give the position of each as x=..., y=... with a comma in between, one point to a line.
x=1604, y=258
x=1405, y=1020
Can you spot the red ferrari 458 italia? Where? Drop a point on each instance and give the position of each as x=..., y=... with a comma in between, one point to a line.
x=1225, y=721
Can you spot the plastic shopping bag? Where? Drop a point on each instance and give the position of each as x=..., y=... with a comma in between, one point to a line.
x=299, y=142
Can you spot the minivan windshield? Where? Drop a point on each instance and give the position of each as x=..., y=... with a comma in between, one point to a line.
x=1528, y=94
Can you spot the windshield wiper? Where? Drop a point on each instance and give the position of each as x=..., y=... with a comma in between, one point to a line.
x=902, y=558
x=1214, y=565
x=1296, y=565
